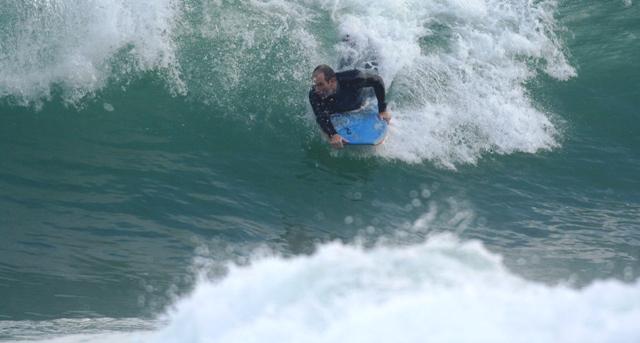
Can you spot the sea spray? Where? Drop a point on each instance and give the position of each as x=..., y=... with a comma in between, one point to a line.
x=73, y=48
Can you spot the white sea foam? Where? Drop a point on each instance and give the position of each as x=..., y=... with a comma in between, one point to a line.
x=72, y=44
x=460, y=92
x=442, y=290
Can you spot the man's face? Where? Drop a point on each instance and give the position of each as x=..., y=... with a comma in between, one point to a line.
x=323, y=87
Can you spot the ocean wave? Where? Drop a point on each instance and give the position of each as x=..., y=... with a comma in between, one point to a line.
x=73, y=48
x=442, y=290
x=456, y=72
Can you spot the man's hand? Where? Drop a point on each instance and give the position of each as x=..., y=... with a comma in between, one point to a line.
x=386, y=116
x=337, y=141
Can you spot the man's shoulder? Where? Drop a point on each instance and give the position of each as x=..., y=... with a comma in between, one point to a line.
x=348, y=74
x=356, y=76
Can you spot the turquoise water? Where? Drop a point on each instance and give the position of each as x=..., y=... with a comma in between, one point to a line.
x=162, y=178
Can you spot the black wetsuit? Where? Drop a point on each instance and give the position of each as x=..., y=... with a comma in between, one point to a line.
x=348, y=97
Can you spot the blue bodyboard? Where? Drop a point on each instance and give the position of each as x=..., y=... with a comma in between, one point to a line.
x=362, y=127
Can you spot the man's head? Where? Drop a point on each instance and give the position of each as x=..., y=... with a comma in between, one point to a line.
x=325, y=82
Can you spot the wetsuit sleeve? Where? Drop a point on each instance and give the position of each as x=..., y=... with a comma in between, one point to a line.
x=322, y=115
x=375, y=81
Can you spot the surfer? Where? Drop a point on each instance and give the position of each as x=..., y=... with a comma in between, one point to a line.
x=342, y=92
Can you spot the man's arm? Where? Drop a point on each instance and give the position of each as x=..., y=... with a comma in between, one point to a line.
x=324, y=120
x=322, y=115
x=375, y=81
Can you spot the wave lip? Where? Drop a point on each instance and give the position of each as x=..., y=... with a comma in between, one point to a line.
x=442, y=291
x=74, y=47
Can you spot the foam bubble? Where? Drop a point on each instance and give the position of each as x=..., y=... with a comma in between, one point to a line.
x=108, y=107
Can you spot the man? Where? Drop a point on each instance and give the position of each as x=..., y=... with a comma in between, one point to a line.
x=342, y=92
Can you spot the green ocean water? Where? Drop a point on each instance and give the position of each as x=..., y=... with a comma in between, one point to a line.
x=144, y=143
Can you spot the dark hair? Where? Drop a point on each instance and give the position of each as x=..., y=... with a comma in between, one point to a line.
x=326, y=70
